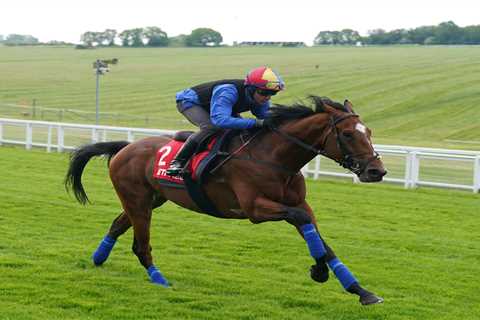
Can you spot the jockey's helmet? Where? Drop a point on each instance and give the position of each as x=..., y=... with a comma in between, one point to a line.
x=264, y=78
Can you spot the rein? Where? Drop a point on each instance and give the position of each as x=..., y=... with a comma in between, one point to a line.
x=348, y=160
x=232, y=155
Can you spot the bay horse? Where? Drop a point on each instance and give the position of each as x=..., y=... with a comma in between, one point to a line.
x=273, y=190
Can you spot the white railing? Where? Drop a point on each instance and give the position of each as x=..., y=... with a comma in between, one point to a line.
x=415, y=166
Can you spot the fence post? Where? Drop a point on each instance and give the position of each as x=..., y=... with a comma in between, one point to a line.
x=28, y=136
x=60, y=138
x=49, y=139
x=304, y=170
x=355, y=178
x=408, y=170
x=1, y=133
x=130, y=136
x=415, y=170
x=476, y=174
x=94, y=135
x=316, y=173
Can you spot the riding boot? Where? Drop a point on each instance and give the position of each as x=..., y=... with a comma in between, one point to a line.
x=177, y=165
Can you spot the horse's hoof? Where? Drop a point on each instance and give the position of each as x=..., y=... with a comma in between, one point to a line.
x=370, y=299
x=156, y=277
x=319, y=272
x=164, y=284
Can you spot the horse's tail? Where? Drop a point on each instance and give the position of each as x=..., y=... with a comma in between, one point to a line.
x=79, y=159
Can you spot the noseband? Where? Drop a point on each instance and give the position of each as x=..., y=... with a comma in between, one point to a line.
x=348, y=160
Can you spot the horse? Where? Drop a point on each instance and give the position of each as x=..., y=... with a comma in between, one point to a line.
x=274, y=189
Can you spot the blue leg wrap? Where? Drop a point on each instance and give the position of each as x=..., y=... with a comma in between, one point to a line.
x=156, y=277
x=344, y=275
x=315, y=244
x=103, y=250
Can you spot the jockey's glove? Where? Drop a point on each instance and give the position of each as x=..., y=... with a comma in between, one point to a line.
x=265, y=123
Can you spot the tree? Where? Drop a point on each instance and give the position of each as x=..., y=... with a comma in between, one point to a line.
x=132, y=37
x=88, y=38
x=203, y=37
x=156, y=37
x=109, y=36
x=137, y=37
x=126, y=37
x=377, y=36
x=420, y=34
x=448, y=33
x=349, y=36
x=1, y=38
x=178, y=41
x=327, y=37
x=471, y=35
x=20, y=39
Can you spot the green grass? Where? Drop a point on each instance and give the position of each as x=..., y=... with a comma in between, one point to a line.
x=418, y=249
x=412, y=95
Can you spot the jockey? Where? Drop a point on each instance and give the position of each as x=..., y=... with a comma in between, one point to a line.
x=217, y=104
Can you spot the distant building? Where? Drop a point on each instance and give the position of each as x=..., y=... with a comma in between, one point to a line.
x=273, y=43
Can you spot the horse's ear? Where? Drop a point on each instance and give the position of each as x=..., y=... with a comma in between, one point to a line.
x=329, y=109
x=319, y=105
x=348, y=106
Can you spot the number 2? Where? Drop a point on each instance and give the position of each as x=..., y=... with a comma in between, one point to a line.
x=165, y=151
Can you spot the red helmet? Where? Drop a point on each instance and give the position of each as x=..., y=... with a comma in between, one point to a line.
x=264, y=78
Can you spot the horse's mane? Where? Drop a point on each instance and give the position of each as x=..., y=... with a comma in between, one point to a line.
x=299, y=110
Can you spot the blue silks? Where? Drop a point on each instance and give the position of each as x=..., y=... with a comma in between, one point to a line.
x=103, y=250
x=315, y=244
x=342, y=273
x=156, y=276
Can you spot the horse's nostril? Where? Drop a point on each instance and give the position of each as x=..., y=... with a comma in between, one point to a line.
x=376, y=173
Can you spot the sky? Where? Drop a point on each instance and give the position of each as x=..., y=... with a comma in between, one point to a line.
x=246, y=20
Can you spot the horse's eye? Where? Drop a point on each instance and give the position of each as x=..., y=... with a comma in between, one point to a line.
x=347, y=135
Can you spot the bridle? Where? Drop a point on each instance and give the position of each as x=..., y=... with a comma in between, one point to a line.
x=348, y=160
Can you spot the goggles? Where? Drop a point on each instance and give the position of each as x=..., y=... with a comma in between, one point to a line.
x=266, y=93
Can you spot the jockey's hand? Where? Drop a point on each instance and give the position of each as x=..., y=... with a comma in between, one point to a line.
x=265, y=123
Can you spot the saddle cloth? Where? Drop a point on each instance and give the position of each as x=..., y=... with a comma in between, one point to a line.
x=197, y=169
x=167, y=153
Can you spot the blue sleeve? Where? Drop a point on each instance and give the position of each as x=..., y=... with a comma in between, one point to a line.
x=261, y=110
x=188, y=97
x=223, y=98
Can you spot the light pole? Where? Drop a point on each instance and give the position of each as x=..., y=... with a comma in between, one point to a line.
x=101, y=67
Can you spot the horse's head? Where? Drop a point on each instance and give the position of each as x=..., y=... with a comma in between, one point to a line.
x=348, y=141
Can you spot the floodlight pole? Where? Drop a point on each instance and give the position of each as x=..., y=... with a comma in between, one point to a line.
x=101, y=67
x=97, y=94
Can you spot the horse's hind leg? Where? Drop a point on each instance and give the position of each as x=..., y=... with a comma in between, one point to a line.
x=118, y=227
x=139, y=210
x=141, y=244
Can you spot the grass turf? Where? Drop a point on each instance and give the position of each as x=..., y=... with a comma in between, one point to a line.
x=418, y=249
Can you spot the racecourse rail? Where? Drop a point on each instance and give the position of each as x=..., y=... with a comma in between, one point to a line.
x=415, y=166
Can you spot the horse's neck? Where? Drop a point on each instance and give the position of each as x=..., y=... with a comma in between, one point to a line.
x=308, y=130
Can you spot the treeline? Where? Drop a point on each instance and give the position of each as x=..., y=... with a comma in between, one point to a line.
x=28, y=40
x=444, y=33
x=150, y=37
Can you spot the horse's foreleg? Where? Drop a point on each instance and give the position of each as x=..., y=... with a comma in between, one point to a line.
x=118, y=227
x=319, y=272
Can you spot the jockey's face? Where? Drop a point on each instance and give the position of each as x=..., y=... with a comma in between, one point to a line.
x=260, y=98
